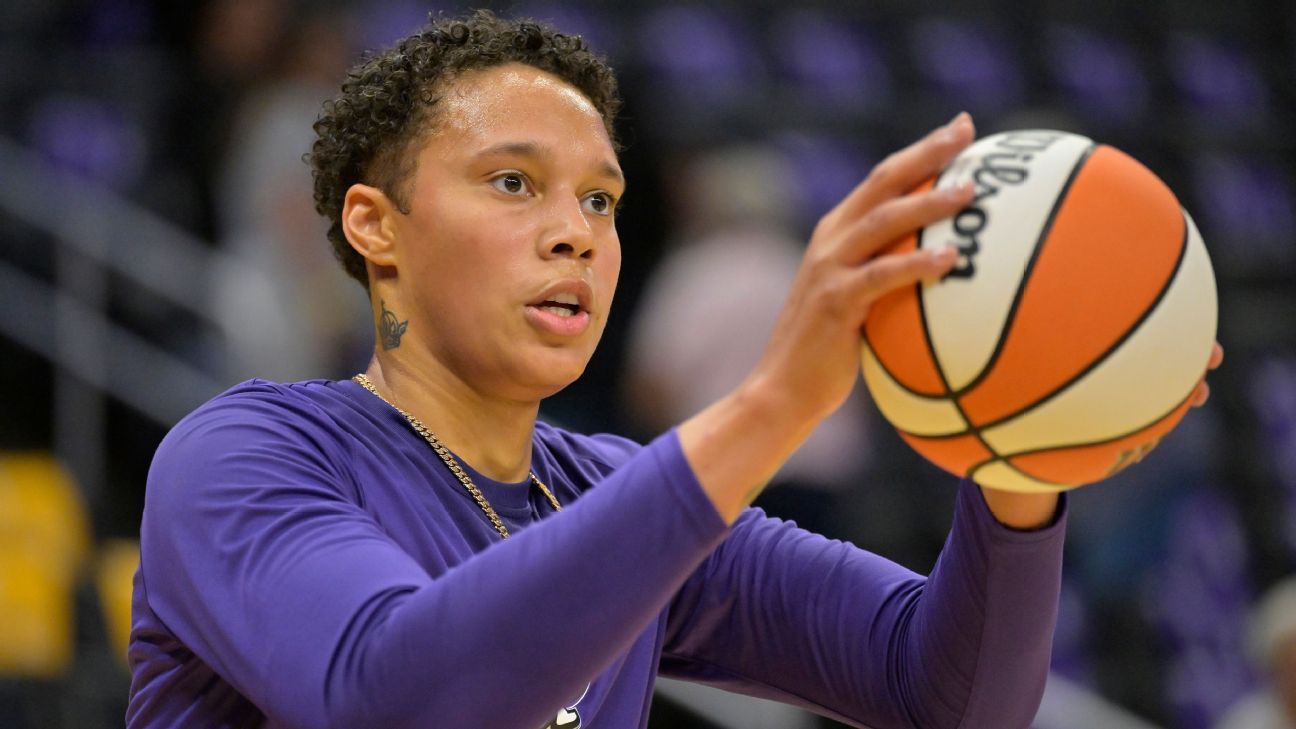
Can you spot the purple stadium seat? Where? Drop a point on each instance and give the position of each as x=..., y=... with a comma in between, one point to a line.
x=1099, y=74
x=1218, y=80
x=832, y=61
x=706, y=54
x=1246, y=203
x=969, y=63
x=1273, y=398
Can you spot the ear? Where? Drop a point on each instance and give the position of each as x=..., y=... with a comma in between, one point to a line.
x=368, y=220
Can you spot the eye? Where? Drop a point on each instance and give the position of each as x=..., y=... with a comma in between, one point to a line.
x=600, y=203
x=510, y=183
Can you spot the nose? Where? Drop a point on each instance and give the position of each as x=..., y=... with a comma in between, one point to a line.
x=568, y=234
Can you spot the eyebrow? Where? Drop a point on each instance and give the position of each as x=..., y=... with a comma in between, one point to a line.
x=530, y=149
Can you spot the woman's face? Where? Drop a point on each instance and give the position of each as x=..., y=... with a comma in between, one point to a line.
x=509, y=253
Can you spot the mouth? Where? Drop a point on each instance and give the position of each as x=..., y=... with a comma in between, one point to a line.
x=561, y=305
x=563, y=308
x=565, y=298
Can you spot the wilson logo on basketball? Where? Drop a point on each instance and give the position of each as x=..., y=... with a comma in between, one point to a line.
x=996, y=169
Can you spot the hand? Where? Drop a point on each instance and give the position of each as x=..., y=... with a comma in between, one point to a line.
x=812, y=360
x=1202, y=393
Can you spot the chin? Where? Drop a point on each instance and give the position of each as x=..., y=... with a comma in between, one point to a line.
x=546, y=376
x=536, y=391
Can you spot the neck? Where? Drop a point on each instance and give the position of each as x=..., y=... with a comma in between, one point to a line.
x=491, y=434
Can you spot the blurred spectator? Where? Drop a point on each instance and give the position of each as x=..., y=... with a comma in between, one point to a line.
x=708, y=311
x=225, y=48
x=289, y=311
x=1272, y=644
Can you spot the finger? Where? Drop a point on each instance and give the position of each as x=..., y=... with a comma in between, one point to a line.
x=904, y=170
x=899, y=217
x=884, y=274
x=1201, y=394
x=1216, y=357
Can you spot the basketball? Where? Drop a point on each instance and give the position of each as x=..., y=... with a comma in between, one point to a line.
x=1069, y=336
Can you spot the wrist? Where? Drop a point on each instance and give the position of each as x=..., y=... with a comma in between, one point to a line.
x=1021, y=511
x=769, y=401
x=736, y=445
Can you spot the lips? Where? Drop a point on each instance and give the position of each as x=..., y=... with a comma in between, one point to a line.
x=571, y=294
x=561, y=305
x=562, y=308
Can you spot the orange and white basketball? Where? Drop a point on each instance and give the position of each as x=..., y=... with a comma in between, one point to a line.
x=1069, y=337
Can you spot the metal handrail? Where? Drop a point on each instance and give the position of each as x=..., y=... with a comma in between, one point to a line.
x=98, y=234
x=145, y=249
x=133, y=370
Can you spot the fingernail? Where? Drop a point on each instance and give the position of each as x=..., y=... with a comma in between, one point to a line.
x=952, y=130
x=959, y=191
x=944, y=254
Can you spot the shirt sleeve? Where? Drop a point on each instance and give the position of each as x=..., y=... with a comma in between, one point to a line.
x=781, y=613
x=259, y=560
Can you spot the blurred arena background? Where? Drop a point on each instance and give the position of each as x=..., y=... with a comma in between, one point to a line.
x=158, y=244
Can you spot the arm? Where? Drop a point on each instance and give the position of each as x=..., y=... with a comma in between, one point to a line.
x=783, y=614
x=258, y=559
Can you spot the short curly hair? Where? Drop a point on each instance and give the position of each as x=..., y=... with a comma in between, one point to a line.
x=365, y=134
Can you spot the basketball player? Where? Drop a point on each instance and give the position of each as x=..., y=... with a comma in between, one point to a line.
x=410, y=548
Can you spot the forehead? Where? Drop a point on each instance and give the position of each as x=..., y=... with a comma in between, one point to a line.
x=515, y=100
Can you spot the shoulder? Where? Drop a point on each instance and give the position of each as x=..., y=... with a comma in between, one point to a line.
x=257, y=395
x=257, y=423
x=260, y=407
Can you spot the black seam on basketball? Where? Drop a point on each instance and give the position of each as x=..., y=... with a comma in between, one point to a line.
x=1127, y=434
x=940, y=436
x=1026, y=274
x=1147, y=312
x=940, y=371
x=1004, y=458
x=889, y=373
x=931, y=349
x=926, y=333
x=972, y=471
x=976, y=432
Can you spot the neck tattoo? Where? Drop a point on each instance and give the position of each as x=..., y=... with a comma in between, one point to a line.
x=390, y=329
x=449, y=460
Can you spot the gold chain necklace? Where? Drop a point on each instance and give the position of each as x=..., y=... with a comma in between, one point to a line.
x=449, y=460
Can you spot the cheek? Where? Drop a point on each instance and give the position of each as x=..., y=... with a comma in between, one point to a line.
x=610, y=270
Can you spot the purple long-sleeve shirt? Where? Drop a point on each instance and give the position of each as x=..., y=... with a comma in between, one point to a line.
x=308, y=561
